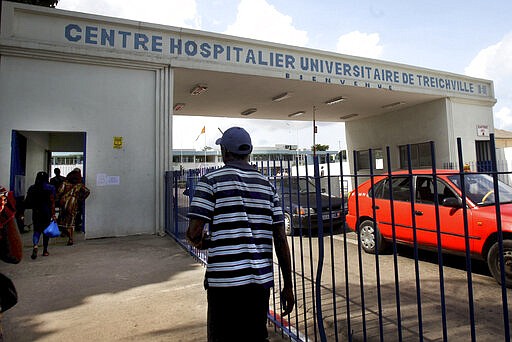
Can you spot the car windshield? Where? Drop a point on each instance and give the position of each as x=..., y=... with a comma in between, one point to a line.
x=480, y=189
x=298, y=185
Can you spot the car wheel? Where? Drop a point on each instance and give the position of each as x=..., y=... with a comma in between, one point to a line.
x=493, y=261
x=288, y=224
x=370, y=237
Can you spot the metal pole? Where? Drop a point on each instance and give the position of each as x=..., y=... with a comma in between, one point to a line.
x=314, y=131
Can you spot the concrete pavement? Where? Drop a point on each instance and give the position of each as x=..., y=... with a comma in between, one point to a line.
x=143, y=288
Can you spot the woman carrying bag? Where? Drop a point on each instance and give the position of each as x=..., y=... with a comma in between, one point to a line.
x=41, y=199
x=72, y=193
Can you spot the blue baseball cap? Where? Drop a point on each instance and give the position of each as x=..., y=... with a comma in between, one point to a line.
x=236, y=140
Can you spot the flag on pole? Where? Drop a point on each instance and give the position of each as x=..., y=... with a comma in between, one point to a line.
x=202, y=132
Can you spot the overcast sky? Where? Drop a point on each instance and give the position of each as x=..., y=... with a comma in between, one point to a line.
x=467, y=37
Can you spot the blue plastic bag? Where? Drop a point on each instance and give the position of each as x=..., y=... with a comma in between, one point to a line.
x=52, y=230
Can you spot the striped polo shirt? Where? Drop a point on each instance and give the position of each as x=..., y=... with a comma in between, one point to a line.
x=242, y=208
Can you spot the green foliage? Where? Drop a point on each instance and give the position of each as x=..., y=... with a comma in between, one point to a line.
x=319, y=147
x=44, y=3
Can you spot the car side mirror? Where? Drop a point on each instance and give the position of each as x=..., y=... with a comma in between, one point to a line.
x=452, y=202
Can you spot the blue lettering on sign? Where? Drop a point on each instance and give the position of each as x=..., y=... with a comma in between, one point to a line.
x=310, y=68
x=250, y=57
x=279, y=60
x=125, y=36
x=238, y=53
x=107, y=36
x=314, y=65
x=156, y=44
x=72, y=33
x=338, y=68
x=205, y=50
x=357, y=71
x=329, y=66
x=190, y=48
x=175, y=47
x=304, y=64
x=407, y=78
x=217, y=51
x=140, y=41
x=91, y=35
x=261, y=59
x=290, y=62
x=347, y=69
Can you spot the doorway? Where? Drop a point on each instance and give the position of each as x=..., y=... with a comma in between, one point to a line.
x=34, y=151
x=483, y=155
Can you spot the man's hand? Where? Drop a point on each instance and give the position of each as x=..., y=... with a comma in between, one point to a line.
x=287, y=301
x=285, y=263
x=196, y=235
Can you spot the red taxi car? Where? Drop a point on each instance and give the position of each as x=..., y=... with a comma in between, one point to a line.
x=414, y=205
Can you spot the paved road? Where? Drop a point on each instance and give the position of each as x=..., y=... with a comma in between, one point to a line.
x=350, y=295
x=137, y=288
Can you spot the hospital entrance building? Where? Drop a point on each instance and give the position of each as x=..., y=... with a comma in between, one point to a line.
x=109, y=88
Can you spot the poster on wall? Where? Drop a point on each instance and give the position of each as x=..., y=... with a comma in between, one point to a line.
x=482, y=130
x=118, y=142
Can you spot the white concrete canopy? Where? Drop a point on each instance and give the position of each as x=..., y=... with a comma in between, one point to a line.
x=230, y=94
x=241, y=76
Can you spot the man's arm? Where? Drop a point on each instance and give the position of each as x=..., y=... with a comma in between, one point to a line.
x=283, y=256
x=195, y=233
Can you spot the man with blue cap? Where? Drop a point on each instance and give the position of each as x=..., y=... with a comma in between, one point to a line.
x=244, y=218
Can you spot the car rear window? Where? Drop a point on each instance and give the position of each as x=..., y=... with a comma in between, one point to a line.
x=400, y=185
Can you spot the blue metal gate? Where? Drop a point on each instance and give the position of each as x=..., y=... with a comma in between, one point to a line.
x=343, y=293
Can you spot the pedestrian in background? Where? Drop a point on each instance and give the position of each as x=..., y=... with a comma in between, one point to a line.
x=244, y=215
x=57, y=180
x=41, y=199
x=11, y=249
x=72, y=193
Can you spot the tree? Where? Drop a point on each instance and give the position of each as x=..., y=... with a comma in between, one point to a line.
x=320, y=147
x=44, y=3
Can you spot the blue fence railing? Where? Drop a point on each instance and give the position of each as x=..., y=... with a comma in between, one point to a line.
x=424, y=255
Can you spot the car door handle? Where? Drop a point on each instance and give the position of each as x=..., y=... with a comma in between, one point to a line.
x=418, y=213
x=376, y=207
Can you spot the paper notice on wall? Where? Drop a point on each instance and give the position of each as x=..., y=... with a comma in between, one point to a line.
x=113, y=180
x=101, y=179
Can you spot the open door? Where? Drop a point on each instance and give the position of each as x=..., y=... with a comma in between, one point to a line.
x=18, y=173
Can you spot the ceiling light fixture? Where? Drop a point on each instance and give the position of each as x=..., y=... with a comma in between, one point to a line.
x=348, y=116
x=296, y=114
x=249, y=111
x=198, y=90
x=335, y=100
x=179, y=106
x=393, y=105
x=282, y=97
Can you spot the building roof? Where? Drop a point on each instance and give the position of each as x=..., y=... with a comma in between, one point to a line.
x=502, y=134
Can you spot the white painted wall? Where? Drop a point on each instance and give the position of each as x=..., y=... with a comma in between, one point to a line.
x=418, y=124
x=465, y=116
x=442, y=121
x=104, y=102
